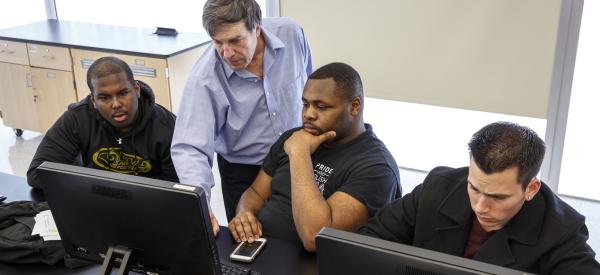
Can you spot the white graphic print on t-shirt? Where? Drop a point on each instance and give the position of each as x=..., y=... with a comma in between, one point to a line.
x=322, y=173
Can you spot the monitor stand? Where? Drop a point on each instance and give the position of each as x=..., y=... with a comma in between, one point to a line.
x=116, y=255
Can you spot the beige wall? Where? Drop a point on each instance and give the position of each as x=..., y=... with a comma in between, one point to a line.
x=486, y=55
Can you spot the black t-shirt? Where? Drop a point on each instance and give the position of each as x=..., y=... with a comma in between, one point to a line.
x=362, y=168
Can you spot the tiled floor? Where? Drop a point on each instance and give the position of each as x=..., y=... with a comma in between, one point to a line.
x=16, y=153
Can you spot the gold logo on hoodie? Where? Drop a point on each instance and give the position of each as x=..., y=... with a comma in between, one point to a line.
x=115, y=160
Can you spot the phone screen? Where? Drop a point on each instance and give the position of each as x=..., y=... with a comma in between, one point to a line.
x=247, y=249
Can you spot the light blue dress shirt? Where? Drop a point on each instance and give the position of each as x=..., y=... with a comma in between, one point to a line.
x=235, y=113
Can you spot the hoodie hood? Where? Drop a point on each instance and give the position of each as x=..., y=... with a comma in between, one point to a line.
x=145, y=108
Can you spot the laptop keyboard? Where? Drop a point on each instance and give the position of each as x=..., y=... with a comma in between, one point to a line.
x=229, y=269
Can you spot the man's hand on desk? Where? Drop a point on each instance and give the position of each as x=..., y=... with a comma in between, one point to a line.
x=245, y=227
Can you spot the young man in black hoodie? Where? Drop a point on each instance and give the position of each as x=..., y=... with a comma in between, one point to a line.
x=118, y=128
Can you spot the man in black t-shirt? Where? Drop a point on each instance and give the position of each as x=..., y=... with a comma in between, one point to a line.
x=331, y=172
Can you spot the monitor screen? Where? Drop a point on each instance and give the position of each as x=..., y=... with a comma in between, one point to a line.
x=165, y=225
x=341, y=252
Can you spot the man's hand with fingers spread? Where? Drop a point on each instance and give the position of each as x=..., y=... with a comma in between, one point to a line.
x=245, y=227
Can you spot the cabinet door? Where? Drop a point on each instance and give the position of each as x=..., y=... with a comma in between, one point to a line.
x=147, y=69
x=53, y=91
x=16, y=97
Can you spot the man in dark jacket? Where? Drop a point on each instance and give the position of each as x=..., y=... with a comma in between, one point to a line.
x=117, y=128
x=495, y=211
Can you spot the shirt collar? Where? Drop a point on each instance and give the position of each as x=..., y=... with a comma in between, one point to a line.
x=271, y=40
x=272, y=43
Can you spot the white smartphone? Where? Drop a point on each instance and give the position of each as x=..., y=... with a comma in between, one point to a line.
x=246, y=252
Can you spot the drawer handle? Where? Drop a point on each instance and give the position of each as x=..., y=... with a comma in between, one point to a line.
x=143, y=71
x=137, y=70
x=28, y=81
x=86, y=63
x=52, y=57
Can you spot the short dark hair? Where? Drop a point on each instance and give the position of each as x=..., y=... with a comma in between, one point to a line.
x=502, y=145
x=105, y=66
x=221, y=12
x=347, y=80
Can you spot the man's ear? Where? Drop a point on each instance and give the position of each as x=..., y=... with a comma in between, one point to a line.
x=355, y=106
x=93, y=100
x=532, y=188
x=137, y=89
x=257, y=30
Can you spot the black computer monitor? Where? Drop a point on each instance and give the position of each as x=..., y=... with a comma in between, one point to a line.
x=160, y=226
x=341, y=252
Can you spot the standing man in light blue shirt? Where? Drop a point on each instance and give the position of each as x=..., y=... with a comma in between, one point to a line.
x=241, y=95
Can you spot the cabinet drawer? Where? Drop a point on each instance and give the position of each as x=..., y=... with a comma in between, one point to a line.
x=13, y=52
x=49, y=57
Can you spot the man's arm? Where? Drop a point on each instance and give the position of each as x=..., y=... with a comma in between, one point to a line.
x=310, y=210
x=60, y=144
x=193, y=145
x=308, y=64
x=245, y=225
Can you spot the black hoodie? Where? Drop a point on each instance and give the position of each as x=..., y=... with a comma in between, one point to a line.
x=82, y=136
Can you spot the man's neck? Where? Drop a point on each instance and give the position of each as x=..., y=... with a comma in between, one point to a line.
x=256, y=65
x=357, y=131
